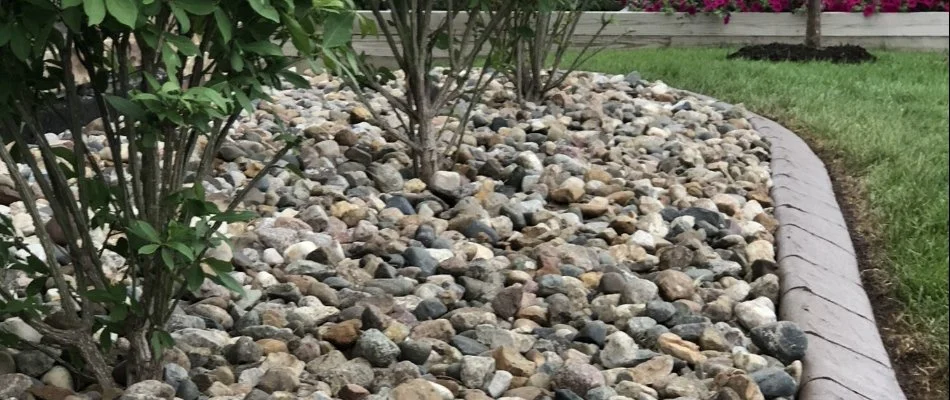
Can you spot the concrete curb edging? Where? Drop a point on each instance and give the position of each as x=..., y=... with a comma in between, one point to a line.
x=821, y=287
x=821, y=284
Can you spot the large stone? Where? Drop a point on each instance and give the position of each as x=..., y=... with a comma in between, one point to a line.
x=619, y=351
x=281, y=379
x=149, y=390
x=374, y=346
x=476, y=371
x=674, y=285
x=783, y=340
x=755, y=313
x=14, y=386
x=415, y=389
x=672, y=344
x=578, y=378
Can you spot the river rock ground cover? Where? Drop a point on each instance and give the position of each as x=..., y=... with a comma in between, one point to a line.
x=614, y=242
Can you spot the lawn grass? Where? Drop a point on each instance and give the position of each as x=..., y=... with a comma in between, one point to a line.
x=887, y=120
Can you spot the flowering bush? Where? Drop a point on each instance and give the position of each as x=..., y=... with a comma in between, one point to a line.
x=725, y=7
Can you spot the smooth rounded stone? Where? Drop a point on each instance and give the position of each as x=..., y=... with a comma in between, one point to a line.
x=468, y=346
x=601, y=393
x=499, y=383
x=674, y=285
x=660, y=311
x=755, y=313
x=429, y=309
x=401, y=286
x=420, y=257
x=748, y=362
x=721, y=268
x=17, y=327
x=33, y=362
x=569, y=191
x=386, y=177
x=7, y=363
x=578, y=378
x=400, y=203
x=343, y=334
x=243, y=351
x=774, y=382
x=692, y=331
x=508, y=301
x=285, y=291
x=476, y=371
x=593, y=332
x=279, y=379
x=619, y=351
x=58, y=376
x=374, y=346
x=766, y=286
x=149, y=389
x=719, y=310
x=638, y=291
x=416, y=389
x=611, y=282
x=415, y=351
x=683, y=386
x=219, y=316
x=783, y=340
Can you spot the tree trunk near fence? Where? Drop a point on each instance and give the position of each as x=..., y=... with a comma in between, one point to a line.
x=813, y=24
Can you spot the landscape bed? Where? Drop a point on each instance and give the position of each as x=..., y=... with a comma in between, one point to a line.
x=881, y=128
x=614, y=240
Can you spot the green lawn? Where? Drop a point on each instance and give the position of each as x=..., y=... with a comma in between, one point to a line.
x=889, y=122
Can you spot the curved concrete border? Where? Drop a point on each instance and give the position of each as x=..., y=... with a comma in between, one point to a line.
x=821, y=283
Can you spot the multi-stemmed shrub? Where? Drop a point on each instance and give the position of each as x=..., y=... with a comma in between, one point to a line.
x=169, y=79
x=414, y=33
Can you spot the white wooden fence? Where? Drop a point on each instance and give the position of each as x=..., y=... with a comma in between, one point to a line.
x=917, y=31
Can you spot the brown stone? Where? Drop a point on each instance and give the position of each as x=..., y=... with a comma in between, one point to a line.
x=672, y=344
x=416, y=389
x=436, y=329
x=344, y=333
x=675, y=285
x=654, y=370
x=50, y=392
x=509, y=359
x=527, y=393
x=273, y=318
x=269, y=346
x=352, y=392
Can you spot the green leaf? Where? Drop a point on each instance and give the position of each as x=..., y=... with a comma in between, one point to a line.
x=197, y=7
x=338, y=31
x=244, y=101
x=264, y=48
x=194, y=277
x=95, y=11
x=160, y=341
x=168, y=258
x=5, y=33
x=126, y=107
x=237, y=61
x=71, y=3
x=183, y=249
x=20, y=45
x=123, y=11
x=298, y=37
x=183, y=44
x=224, y=24
x=182, y=16
x=265, y=9
x=235, y=216
x=148, y=249
x=295, y=79
x=144, y=231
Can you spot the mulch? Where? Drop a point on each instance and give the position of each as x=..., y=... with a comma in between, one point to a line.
x=845, y=54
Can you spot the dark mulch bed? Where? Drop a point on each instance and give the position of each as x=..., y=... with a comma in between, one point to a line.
x=846, y=54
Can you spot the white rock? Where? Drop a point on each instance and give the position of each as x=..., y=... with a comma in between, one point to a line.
x=272, y=257
x=58, y=376
x=756, y=312
x=299, y=251
x=266, y=279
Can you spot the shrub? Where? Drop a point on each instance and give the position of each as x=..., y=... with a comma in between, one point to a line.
x=413, y=37
x=539, y=42
x=164, y=118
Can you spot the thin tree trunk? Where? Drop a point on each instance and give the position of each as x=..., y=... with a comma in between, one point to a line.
x=813, y=24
